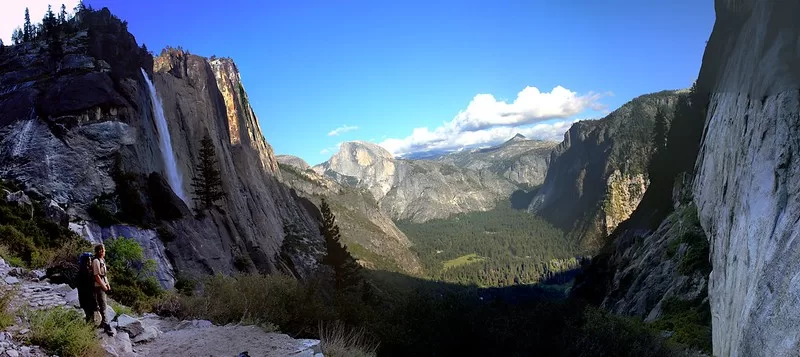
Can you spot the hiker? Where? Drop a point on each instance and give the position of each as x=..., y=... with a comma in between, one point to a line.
x=85, y=285
x=101, y=285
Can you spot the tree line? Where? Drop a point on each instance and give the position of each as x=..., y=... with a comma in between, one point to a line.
x=513, y=247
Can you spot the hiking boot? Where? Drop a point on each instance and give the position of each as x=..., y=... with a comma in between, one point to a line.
x=108, y=330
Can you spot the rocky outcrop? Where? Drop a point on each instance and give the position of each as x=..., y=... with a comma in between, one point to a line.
x=598, y=174
x=415, y=190
x=747, y=188
x=79, y=128
x=293, y=161
x=519, y=160
x=622, y=198
x=370, y=234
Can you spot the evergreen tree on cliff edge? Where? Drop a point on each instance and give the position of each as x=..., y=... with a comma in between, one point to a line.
x=348, y=272
x=207, y=183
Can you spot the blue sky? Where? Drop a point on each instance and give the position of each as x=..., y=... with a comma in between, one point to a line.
x=387, y=69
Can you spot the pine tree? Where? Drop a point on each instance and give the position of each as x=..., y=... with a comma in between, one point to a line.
x=2, y=46
x=49, y=22
x=345, y=267
x=208, y=182
x=660, y=130
x=27, y=29
x=80, y=7
x=62, y=16
x=17, y=37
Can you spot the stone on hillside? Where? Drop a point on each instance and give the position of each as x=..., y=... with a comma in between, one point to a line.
x=56, y=214
x=130, y=325
x=72, y=298
x=18, y=272
x=194, y=324
x=110, y=314
x=12, y=353
x=11, y=280
x=150, y=333
x=118, y=345
x=38, y=274
x=3, y=263
x=62, y=288
x=20, y=198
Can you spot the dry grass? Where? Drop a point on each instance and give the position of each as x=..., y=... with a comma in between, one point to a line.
x=6, y=317
x=339, y=341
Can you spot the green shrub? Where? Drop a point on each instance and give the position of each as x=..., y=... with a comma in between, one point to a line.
x=336, y=340
x=18, y=244
x=130, y=274
x=11, y=259
x=63, y=331
x=689, y=320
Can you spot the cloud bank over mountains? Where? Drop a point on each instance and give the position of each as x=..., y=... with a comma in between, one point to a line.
x=488, y=121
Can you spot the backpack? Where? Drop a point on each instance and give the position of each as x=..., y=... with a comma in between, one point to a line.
x=84, y=281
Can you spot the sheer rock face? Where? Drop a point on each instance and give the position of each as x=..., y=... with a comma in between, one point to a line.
x=360, y=219
x=206, y=97
x=415, y=190
x=519, y=160
x=66, y=126
x=598, y=174
x=747, y=188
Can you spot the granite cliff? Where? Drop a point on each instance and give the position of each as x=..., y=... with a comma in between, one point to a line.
x=747, y=189
x=414, y=190
x=598, y=174
x=79, y=127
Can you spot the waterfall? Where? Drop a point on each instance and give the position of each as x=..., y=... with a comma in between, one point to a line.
x=165, y=142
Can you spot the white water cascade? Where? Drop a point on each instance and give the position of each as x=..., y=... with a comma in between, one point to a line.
x=165, y=142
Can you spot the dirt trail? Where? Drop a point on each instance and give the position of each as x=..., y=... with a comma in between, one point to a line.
x=227, y=341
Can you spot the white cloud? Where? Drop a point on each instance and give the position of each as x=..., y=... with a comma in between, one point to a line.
x=342, y=129
x=13, y=14
x=487, y=121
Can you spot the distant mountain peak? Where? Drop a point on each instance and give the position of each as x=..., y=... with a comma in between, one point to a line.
x=518, y=137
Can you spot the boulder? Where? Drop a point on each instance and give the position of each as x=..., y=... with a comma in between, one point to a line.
x=150, y=333
x=130, y=325
x=56, y=214
x=117, y=345
x=110, y=314
x=72, y=298
x=19, y=197
x=194, y=324
x=11, y=280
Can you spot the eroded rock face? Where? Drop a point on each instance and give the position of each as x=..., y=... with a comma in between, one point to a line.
x=360, y=219
x=747, y=188
x=581, y=175
x=624, y=195
x=415, y=190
